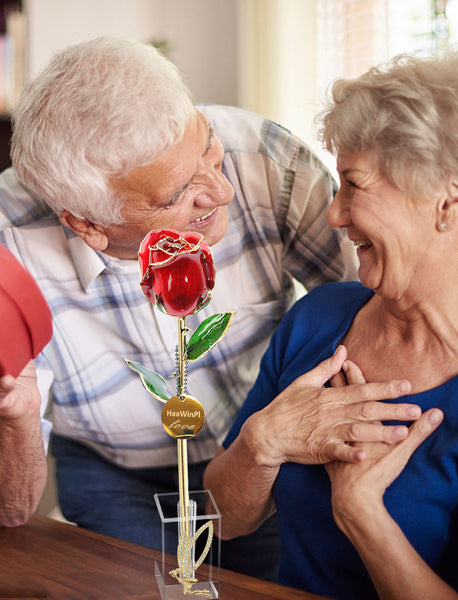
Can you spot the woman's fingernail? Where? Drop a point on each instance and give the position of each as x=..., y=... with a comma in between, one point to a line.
x=404, y=387
x=400, y=432
x=435, y=417
x=413, y=411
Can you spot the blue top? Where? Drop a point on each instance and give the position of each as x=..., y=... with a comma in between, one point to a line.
x=423, y=500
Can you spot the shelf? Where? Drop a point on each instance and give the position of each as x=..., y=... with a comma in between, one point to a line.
x=5, y=137
x=12, y=69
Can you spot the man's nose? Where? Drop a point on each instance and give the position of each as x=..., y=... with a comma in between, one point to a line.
x=217, y=186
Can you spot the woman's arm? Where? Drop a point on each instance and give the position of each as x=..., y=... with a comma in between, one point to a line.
x=396, y=569
x=23, y=467
x=241, y=485
x=307, y=423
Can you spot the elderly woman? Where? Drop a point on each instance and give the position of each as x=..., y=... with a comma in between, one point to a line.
x=387, y=525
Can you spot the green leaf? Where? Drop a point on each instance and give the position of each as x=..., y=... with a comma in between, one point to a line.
x=152, y=381
x=207, y=334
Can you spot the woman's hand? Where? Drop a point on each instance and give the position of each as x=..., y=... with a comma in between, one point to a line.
x=368, y=480
x=309, y=423
x=359, y=486
x=397, y=570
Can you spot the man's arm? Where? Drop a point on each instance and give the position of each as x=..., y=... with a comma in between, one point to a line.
x=23, y=467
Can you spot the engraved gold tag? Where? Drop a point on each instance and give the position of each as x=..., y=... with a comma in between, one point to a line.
x=183, y=416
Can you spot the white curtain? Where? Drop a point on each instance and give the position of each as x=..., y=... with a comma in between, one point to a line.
x=278, y=60
x=291, y=50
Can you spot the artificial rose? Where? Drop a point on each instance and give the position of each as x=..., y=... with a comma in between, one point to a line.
x=177, y=272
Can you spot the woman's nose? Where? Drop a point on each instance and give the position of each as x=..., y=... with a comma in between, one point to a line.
x=338, y=215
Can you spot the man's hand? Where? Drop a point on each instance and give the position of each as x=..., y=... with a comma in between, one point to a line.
x=22, y=457
x=309, y=423
x=19, y=398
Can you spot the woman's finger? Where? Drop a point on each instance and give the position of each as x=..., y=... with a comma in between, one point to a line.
x=327, y=369
x=353, y=373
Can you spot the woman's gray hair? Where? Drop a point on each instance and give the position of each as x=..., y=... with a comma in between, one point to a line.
x=406, y=112
x=99, y=110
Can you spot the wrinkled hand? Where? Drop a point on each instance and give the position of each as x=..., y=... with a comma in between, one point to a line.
x=19, y=398
x=360, y=485
x=364, y=484
x=23, y=459
x=311, y=424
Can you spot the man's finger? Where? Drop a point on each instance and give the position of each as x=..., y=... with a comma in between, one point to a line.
x=7, y=383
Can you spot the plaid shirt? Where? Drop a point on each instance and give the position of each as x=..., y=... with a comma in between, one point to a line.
x=277, y=231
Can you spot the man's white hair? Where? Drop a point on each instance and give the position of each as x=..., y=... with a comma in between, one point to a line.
x=96, y=112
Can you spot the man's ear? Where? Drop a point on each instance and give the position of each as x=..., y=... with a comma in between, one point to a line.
x=91, y=233
x=447, y=207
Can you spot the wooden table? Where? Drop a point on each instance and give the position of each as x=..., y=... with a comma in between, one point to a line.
x=58, y=561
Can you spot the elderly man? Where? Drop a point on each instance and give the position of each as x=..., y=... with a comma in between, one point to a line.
x=107, y=146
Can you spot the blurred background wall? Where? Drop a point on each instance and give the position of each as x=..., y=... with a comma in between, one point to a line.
x=275, y=57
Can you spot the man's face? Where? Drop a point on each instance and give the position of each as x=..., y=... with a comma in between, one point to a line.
x=184, y=189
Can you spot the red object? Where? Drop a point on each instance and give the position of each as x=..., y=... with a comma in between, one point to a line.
x=25, y=318
x=177, y=271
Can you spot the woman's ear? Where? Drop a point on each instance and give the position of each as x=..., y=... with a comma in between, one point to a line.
x=447, y=207
x=91, y=233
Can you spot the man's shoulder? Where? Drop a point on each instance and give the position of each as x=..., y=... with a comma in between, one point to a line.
x=236, y=128
x=17, y=206
x=241, y=130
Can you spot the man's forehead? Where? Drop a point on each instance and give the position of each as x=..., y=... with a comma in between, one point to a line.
x=176, y=164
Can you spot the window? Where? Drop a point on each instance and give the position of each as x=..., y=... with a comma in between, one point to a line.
x=292, y=50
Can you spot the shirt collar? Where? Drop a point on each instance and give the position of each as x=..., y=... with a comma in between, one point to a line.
x=89, y=264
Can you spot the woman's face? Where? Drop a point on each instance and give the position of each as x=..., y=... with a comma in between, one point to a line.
x=391, y=230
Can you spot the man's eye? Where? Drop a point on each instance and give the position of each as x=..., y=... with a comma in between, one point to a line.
x=176, y=196
x=172, y=200
x=211, y=140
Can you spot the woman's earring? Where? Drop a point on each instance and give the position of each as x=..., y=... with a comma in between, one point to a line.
x=443, y=226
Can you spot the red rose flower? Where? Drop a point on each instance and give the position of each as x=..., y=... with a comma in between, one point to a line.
x=177, y=272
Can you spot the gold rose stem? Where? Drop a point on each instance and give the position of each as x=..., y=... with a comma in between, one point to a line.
x=183, y=483
x=182, y=442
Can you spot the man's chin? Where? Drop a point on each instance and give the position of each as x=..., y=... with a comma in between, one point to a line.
x=216, y=232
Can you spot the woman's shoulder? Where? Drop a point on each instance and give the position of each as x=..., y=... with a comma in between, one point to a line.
x=332, y=299
x=318, y=318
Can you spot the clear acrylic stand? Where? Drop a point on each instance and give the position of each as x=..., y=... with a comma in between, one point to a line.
x=172, y=523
